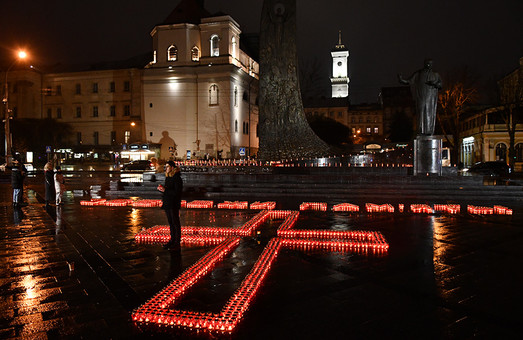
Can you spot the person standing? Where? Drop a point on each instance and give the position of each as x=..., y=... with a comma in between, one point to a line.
x=17, y=180
x=59, y=185
x=171, y=203
x=49, y=183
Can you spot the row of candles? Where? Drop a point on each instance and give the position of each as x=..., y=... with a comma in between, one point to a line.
x=371, y=207
x=156, y=310
x=496, y=210
x=318, y=206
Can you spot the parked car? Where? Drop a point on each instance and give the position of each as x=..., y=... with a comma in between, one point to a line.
x=138, y=165
x=493, y=168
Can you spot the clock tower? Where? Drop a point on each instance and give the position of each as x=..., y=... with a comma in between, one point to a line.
x=340, y=79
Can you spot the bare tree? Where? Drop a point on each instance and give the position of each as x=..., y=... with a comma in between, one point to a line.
x=454, y=99
x=511, y=99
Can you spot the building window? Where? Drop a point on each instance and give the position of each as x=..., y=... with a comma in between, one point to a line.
x=95, y=111
x=79, y=138
x=215, y=48
x=58, y=90
x=368, y=130
x=113, y=137
x=501, y=152
x=236, y=126
x=78, y=112
x=127, y=110
x=519, y=152
x=172, y=53
x=195, y=54
x=213, y=94
x=235, y=96
x=59, y=113
x=331, y=114
x=126, y=86
x=245, y=96
x=245, y=128
x=49, y=113
x=48, y=91
x=376, y=130
x=127, y=136
x=95, y=87
x=78, y=89
x=234, y=46
x=112, y=111
x=95, y=135
x=112, y=87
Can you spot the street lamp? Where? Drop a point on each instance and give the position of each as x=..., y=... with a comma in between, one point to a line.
x=21, y=55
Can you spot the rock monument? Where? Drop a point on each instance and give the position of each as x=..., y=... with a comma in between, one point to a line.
x=283, y=129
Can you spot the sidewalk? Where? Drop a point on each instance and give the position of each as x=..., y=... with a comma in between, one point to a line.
x=443, y=277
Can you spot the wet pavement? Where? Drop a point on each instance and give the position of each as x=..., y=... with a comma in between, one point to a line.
x=75, y=271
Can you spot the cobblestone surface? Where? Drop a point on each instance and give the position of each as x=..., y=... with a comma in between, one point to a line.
x=444, y=276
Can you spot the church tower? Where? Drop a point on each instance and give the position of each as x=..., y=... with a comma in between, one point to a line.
x=340, y=66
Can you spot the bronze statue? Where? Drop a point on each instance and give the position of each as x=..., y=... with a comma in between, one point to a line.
x=424, y=85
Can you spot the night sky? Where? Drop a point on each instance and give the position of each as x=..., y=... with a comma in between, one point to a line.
x=384, y=37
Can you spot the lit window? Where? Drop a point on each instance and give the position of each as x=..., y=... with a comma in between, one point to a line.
x=172, y=53
x=154, y=57
x=195, y=54
x=368, y=130
x=127, y=136
x=215, y=49
x=213, y=95
x=376, y=130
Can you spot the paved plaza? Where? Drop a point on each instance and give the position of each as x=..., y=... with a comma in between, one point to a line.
x=76, y=271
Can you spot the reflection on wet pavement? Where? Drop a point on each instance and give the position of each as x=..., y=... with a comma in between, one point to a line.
x=443, y=277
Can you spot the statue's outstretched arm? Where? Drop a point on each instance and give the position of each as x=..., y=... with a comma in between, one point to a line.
x=403, y=81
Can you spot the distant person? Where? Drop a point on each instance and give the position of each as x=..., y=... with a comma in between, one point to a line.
x=17, y=180
x=59, y=185
x=171, y=203
x=49, y=183
x=424, y=85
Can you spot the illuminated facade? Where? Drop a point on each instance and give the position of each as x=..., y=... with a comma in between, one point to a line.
x=198, y=93
x=200, y=89
x=340, y=65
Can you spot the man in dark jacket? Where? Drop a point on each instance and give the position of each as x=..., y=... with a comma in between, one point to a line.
x=17, y=182
x=171, y=203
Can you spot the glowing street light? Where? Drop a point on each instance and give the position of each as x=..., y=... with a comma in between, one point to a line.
x=21, y=55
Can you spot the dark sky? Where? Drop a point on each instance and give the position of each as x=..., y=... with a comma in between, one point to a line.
x=384, y=37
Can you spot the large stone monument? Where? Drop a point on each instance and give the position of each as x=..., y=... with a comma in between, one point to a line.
x=424, y=85
x=283, y=129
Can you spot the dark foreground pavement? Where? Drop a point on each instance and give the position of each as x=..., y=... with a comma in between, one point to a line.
x=443, y=277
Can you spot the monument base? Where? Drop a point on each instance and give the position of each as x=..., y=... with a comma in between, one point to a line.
x=427, y=155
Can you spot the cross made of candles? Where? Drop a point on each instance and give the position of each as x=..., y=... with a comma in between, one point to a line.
x=160, y=310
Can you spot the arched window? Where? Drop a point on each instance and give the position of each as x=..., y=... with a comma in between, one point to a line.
x=235, y=96
x=213, y=94
x=501, y=152
x=236, y=125
x=519, y=152
x=215, y=46
x=172, y=53
x=195, y=54
x=234, y=46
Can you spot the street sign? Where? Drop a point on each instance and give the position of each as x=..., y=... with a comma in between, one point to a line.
x=242, y=151
x=48, y=149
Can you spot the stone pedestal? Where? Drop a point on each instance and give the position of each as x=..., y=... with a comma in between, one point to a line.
x=427, y=155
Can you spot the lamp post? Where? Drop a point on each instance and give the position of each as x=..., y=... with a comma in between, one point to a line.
x=21, y=55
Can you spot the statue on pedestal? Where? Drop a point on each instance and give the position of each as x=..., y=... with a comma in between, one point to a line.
x=424, y=85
